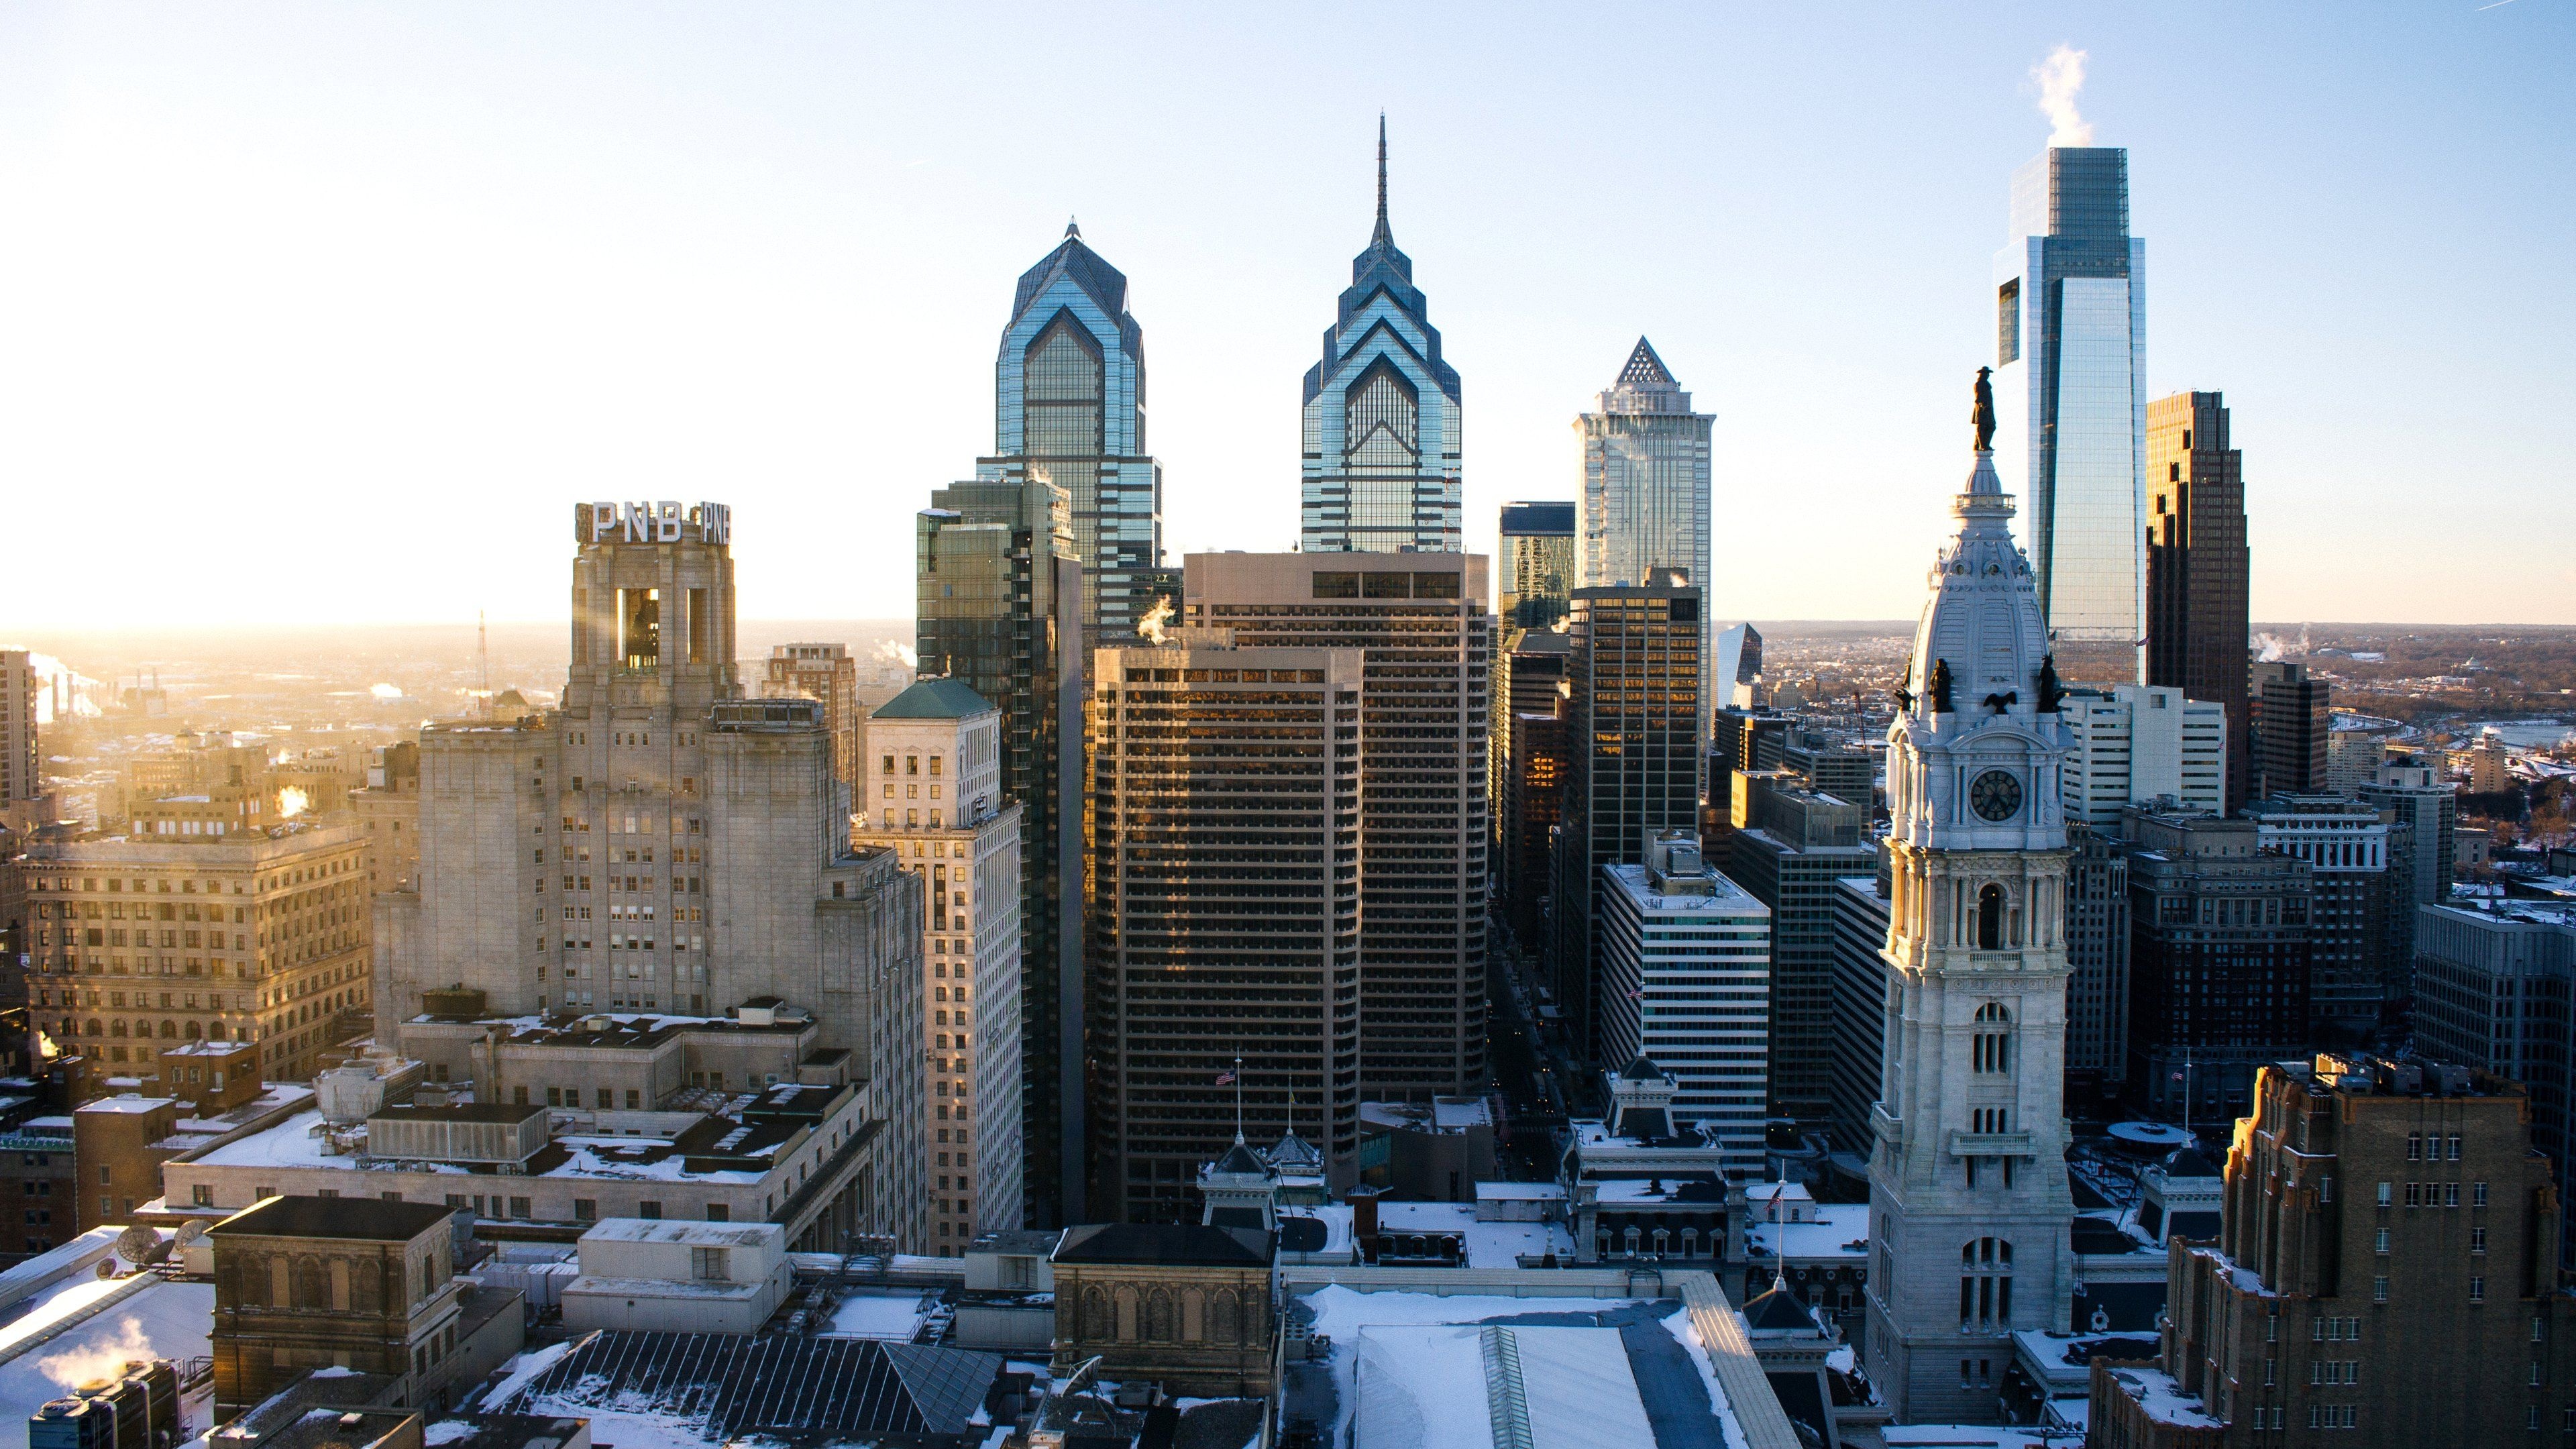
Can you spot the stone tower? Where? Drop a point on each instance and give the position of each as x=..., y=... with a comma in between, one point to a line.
x=1969, y=1208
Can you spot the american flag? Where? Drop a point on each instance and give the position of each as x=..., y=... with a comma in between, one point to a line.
x=1225, y=1079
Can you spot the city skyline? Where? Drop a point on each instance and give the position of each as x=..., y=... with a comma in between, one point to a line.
x=687, y=277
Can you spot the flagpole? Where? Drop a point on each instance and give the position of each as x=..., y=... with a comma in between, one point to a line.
x=1238, y=1096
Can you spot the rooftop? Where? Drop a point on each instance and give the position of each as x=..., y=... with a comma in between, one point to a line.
x=670, y=1230
x=1172, y=1244
x=937, y=698
x=365, y=1218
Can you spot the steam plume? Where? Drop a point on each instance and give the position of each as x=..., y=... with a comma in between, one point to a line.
x=1152, y=626
x=88, y=1365
x=893, y=652
x=2060, y=77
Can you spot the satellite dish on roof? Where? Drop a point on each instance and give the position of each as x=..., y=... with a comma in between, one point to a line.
x=190, y=1232
x=136, y=1244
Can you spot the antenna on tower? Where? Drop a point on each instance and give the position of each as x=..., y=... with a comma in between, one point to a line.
x=483, y=655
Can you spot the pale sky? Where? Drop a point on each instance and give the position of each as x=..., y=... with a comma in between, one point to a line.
x=330, y=312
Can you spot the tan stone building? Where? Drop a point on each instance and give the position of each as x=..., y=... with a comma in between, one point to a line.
x=828, y=675
x=303, y=1283
x=387, y=812
x=2386, y=1273
x=1186, y=1306
x=932, y=797
x=221, y=934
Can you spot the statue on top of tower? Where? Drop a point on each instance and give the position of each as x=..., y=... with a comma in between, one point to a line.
x=1982, y=415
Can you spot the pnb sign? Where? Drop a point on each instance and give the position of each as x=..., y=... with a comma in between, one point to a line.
x=663, y=522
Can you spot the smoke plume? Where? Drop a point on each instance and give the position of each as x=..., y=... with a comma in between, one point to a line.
x=894, y=653
x=2060, y=77
x=80, y=1366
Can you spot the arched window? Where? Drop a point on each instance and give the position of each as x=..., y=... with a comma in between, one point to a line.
x=1061, y=392
x=1985, y=1283
x=115, y=1028
x=1990, y=1050
x=1990, y=918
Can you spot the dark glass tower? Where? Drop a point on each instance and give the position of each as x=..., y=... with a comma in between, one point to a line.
x=1069, y=409
x=1632, y=762
x=2197, y=565
x=2071, y=402
x=998, y=608
x=1381, y=427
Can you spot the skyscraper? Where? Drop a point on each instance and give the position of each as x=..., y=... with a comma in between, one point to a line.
x=999, y=591
x=1969, y=1204
x=2293, y=715
x=1788, y=848
x=2197, y=566
x=1227, y=876
x=1069, y=408
x=1685, y=967
x=1633, y=764
x=657, y=843
x=1381, y=415
x=19, y=780
x=825, y=673
x=1645, y=487
x=2218, y=959
x=1427, y=646
x=2071, y=401
x=1533, y=565
x=2131, y=743
x=931, y=792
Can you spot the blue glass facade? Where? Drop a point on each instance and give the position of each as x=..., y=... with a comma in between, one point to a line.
x=2070, y=393
x=1069, y=409
x=1645, y=499
x=1381, y=416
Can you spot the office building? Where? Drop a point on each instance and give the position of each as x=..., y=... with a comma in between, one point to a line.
x=1968, y=1192
x=828, y=675
x=387, y=810
x=2071, y=401
x=658, y=842
x=2133, y=743
x=1646, y=485
x=2384, y=1274
x=1069, y=410
x=2356, y=746
x=2197, y=565
x=934, y=798
x=1632, y=690
x=1381, y=415
x=1529, y=672
x=1685, y=973
x=2219, y=962
x=2495, y=989
x=1532, y=804
x=1427, y=645
x=2352, y=972
x=2420, y=797
x=146, y=942
x=1228, y=882
x=2097, y=956
x=21, y=779
x=1735, y=668
x=998, y=610
x=1533, y=565
x=1859, y=1011
x=2291, y=722
x=1845, y=772
x=1742, y=739
x=1789, y=846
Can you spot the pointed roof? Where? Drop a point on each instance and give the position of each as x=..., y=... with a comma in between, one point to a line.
x=1777, y=1309
x=1074, y=260
x=1382, y=237
x=1242, y=1159
x=1641, y=1070
x=2188, y=1162
x=1645, y=371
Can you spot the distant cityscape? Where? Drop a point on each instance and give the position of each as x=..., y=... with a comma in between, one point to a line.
x=1392, y=991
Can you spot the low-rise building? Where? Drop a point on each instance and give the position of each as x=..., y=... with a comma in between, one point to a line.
x=1434, y=1151
x=1184, y=1305
x=1638, y=1184
x=678, y=1277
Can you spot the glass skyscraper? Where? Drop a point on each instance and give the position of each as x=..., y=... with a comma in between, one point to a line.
x=1381, y=426
x=1645, y=486
x=1069, y=409
x=2071, y=401
x=1534, y=567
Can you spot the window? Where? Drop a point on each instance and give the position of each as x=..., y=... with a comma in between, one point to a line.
x=585, y=1210
x=1985, y=1283
x=2450, y=1194
x=203, y=1195
x=2383, y=1194
x=2414, y=1146
x=2455, y=1147
x=1990, y=918
x=2379, y=1290
x=708, y=1264
x=2477, y=1240
x=1991, y=1049
x=2381, y=1244
x=719, y=1213
x=648, y=1209
x=2477, y=1194
x=2477, y=1290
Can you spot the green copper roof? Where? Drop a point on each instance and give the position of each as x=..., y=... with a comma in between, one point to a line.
x=934, y=699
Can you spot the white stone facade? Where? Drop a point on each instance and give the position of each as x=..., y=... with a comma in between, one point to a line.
x=1969, y=1204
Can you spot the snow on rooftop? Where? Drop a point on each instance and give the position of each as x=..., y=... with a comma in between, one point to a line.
x=1489, y=1245
x=158, y=1319
x=1426, y=1386
x=127, y=1104
x=1840, y=1230
x=890, y=1313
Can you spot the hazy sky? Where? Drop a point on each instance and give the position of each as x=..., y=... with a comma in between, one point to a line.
x=331, y=311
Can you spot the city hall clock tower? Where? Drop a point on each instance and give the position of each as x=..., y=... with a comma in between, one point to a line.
x=1969, y=1208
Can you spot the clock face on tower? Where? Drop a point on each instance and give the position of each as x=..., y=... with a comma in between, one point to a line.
x=1995, y=795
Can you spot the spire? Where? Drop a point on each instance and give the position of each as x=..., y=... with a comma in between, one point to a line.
x=1072, y=229
x=1382, y=236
